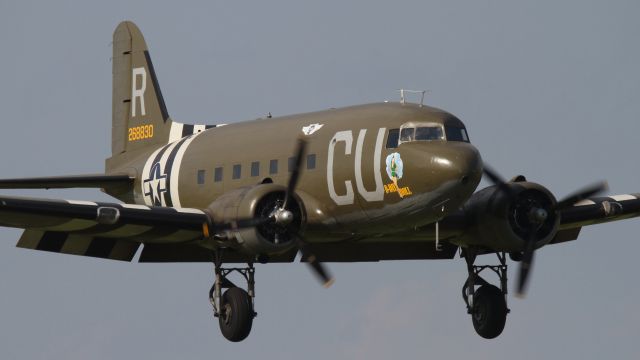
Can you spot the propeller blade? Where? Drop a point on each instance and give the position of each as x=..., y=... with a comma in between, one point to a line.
x=584, y=193
x=316, y=266
x=526, y=263
x=493, y=175
x=301, y=149
x=497, y=179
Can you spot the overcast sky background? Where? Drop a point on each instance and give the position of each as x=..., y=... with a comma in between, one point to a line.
x=548, y=89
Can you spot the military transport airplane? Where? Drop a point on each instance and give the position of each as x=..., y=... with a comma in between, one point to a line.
x=386, y=181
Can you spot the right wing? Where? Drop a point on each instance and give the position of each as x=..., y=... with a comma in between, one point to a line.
x=106, y=230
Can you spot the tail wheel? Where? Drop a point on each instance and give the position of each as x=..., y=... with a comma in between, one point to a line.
x=236, y=315
x=489, y=313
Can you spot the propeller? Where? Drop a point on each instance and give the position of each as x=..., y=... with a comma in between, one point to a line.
x=301, y=149
x=316, y=266
x=585, y=193
x=537, y=217
x=282, y=216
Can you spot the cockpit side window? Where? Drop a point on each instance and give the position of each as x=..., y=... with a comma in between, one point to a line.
x=456, y=134
x=429, y=133
x=392, y=138
x=406, y=134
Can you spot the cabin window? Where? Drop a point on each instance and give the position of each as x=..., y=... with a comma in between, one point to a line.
x=237, y=171
x=273, y=167
x=429, y=133
x=392, y=138
x=255, y=168
x=217, y=174
x=456, y=134
x=311, y=161
x=407, y=134
x=200, y=177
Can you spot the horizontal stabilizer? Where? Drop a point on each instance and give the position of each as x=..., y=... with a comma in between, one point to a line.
x=73, y=181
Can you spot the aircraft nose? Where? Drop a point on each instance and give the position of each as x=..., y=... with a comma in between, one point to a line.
x=461, y=163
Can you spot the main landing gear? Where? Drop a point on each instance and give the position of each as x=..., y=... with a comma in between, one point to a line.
x=234, y=307
x=487, y=304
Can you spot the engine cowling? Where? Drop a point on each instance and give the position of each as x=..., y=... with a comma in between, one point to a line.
x=259, y=202
x=502, y=220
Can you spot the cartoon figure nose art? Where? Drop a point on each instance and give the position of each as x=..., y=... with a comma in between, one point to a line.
x=395, y=168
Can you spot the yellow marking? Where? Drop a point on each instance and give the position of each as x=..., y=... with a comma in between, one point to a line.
x=405, y=191
x=140, y=132
x=391, y=188
x=205, y=230
x=329, y=283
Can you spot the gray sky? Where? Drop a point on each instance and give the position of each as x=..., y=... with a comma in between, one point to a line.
x=547, y=89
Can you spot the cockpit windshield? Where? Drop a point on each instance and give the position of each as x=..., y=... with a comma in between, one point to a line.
x=456, y=133
x=429, y=133
x=416, y=131
x=406, y=134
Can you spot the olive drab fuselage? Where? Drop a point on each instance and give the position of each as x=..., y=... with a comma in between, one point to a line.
x=355, y=179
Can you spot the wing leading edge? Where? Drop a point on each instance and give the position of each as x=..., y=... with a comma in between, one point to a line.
x=73, y=181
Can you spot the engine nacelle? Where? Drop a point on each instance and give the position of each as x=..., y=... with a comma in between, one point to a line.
x=255, y=202
x=502, y=220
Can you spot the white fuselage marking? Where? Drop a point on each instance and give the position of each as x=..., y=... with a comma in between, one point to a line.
x=346, y=136
x=175, y=171
x=189, y=211
x=623, y=197
x=145, y=171
x=378, y=193
x=135, y=206
x=175, y=133
x=81, y=202
x=198, y=128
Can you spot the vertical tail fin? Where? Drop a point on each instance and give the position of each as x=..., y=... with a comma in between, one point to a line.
x=139, y=114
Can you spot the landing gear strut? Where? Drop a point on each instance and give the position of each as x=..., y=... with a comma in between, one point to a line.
x=234, y=307
x=487, y=304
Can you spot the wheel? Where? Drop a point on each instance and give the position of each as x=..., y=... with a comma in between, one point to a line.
x=516, y=256
x=236, y=314
x=489, y=312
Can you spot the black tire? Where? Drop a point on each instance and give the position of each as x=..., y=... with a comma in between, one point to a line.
x=516, y=256
x=236, y=314
x=489, y=313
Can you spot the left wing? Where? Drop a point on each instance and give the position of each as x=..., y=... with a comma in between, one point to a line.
x=594, y=211
x=600, y=210
x=591, y=211
x=106, y=230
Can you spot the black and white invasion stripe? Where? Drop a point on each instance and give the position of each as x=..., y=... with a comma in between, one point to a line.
x=602, y=209
x=179, y=130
